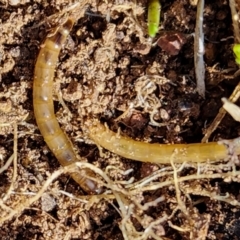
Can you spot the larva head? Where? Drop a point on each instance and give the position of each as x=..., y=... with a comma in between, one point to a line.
x=236, y=50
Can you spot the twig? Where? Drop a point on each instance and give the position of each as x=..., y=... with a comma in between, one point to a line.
x=199, y=50
x=235, y=20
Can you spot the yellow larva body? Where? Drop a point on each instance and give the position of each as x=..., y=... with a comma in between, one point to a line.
x=158, y=153
x=48, y=125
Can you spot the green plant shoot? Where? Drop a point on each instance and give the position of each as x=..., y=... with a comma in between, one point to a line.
x=154, y=9
x=236, y=50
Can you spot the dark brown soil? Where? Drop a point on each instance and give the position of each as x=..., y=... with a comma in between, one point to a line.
x=107, y=71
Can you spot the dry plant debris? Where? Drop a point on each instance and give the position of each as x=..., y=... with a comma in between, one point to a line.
x=236, y=93
x=102, y=74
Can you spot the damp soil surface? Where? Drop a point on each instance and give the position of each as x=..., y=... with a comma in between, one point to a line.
x=108, y=71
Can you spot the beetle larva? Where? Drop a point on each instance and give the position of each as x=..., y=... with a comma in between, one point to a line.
x=48, y=125
x=162, y=153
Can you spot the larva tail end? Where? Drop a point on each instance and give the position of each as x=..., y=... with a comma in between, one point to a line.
x=88, y=185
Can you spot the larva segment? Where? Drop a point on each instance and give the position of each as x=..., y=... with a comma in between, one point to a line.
x=55, y=138
x=160, y=153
